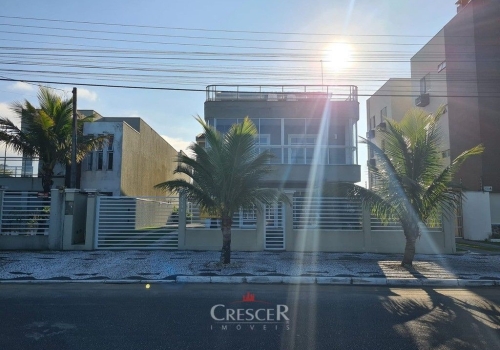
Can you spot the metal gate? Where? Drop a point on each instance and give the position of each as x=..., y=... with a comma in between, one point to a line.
x=24, y=213
x=275, y=231
x=137, y=222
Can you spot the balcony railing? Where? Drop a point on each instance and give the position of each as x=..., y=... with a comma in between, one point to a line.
x=281, y=92
x=18, y=167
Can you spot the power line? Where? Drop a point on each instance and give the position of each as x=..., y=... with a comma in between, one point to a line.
x=204, y=90
x=212, y=30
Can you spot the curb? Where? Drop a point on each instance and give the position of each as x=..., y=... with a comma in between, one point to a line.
x=295, y=280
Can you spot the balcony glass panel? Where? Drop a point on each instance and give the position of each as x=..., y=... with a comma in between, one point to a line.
x=294, y=127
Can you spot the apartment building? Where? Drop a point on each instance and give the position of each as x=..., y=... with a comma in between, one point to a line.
x=459, y=69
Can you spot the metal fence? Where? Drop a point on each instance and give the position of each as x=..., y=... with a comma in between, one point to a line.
x=24, y=213
x=328, y=213
x=137, y=222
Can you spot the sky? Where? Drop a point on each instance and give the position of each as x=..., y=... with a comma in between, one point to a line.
x=168, y=45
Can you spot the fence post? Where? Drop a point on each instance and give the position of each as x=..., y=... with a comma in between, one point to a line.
x=56, y=219
x=367, y=229
x=288, y=222
x=2, y=192
x=449, y=223
x=181, y=242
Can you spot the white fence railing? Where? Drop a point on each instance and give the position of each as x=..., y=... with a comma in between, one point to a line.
x=24, y=213
x=328, y=213
x=137, y=222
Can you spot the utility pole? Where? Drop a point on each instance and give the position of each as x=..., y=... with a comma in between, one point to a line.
x=73, y=145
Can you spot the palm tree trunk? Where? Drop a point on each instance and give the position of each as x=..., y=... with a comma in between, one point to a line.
x=47, y=180
x=411, y=233
x=225, y=255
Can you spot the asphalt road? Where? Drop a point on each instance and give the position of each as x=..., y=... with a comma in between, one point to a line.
x=178, y=316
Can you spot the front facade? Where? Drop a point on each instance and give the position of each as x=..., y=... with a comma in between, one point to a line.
x=134, y=160
x=391, y=101
x=310, y=130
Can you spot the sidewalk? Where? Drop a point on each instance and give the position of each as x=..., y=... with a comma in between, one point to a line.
x=250, y=267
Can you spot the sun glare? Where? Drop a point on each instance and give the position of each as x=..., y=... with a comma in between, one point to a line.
x=338, y=56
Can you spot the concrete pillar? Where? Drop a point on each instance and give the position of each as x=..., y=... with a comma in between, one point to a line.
x=288, y=222
x=56, y=219
x=260, y=226
x=367, y=230
x=449, y=229
x=181, y=245
x=90, y=223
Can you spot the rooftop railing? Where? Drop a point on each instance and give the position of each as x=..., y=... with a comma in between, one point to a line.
x=281, y=92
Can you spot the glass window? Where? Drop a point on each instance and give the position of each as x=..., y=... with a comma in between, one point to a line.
x=90, y=160
x=294, y=127
x=100, y=156
x=110, y=142
x=223, y=125
x=336, y=134
x=110, y=160
x=271, y=127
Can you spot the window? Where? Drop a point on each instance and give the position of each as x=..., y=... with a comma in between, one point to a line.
x=90, y=160
x=445, y=154
x=383, y=114
x=110, y=152
x=425, y=84
x=100, y=157
x=301, y=155
x=441, y=66
x=372, y=123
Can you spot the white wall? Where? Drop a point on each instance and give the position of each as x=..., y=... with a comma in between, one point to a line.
x=477, y=215
x=104, y=180
x=495, y=208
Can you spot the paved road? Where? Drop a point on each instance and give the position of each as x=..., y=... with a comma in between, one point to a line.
x=178, y=316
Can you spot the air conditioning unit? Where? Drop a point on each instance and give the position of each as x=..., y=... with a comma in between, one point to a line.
x=370, y=134
x=422, y=100
x=372, y=162
x=381, y=126
x=487, y=188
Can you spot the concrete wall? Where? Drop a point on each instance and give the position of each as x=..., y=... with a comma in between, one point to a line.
x=147, y=160
x=24, y=242
x=27, y=183
x=211, y=239
x=308, y=240
x=477, y=215
x=495, y=208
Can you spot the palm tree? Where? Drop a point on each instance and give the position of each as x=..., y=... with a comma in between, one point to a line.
x=226, y=175
x=411, y=184
x=46, y=133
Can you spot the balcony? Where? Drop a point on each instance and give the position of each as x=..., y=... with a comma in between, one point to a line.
x=281, y=92
x=18, y=167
